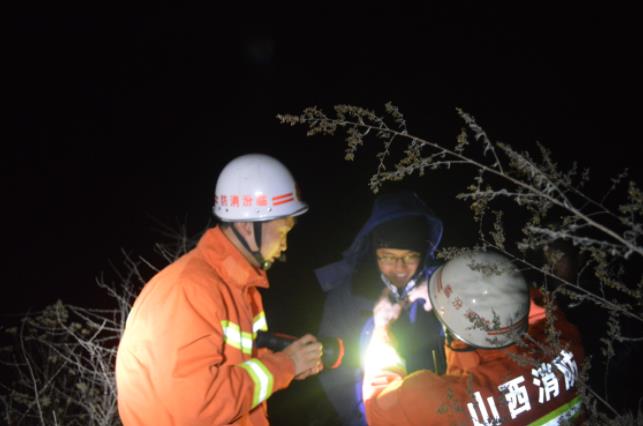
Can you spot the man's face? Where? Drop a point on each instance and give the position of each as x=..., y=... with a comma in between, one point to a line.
x=274, y=239
x=398, y=265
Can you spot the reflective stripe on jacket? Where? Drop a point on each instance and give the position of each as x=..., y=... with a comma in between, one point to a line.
x=483, y=387
x=187, y=354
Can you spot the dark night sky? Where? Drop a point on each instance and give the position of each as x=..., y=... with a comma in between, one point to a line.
x=117, y=123
x=120, y=122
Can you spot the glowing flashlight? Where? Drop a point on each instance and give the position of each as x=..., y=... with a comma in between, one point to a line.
x=332, y=347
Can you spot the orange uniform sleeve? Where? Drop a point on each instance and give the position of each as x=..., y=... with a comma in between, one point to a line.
x=204, y=384
x=421, y=398
x=393, y=398
x=186, y=366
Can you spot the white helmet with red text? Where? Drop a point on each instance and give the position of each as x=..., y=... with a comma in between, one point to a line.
x=481, y=298
x=256, y=188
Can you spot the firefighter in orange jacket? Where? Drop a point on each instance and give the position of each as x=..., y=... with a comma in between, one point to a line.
x=187, y=354
x=483, y=303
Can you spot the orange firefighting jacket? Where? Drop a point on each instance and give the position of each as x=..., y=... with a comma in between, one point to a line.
x=187, y=353
x=483, y=386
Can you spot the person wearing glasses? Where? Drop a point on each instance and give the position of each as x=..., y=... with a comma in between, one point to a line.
x=393, y=253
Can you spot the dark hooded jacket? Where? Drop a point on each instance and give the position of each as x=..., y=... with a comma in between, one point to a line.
x=352, y=287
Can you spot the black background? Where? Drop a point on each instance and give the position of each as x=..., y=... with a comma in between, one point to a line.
x=121, y=122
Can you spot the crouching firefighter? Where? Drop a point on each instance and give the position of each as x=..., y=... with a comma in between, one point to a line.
x=188, y=352
x=483, y=302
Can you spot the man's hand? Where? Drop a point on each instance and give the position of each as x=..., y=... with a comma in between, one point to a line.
x=385, y=312
x=306, y=353
x=421, y=291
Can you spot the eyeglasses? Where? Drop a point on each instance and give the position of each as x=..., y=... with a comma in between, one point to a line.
x=409, y=258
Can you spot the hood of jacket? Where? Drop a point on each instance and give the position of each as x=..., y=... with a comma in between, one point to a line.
x=385, y=208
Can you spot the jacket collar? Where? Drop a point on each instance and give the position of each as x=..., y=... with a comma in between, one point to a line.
x=229, y=262
x=462, y=362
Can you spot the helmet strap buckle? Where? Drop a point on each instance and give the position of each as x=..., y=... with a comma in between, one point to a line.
x=256, y=254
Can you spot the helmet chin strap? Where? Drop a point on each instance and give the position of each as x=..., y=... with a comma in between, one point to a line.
x=400, y=295
x=256, y=254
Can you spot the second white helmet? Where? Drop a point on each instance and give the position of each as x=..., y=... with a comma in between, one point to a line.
x=256, y=188
x=482, y=298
